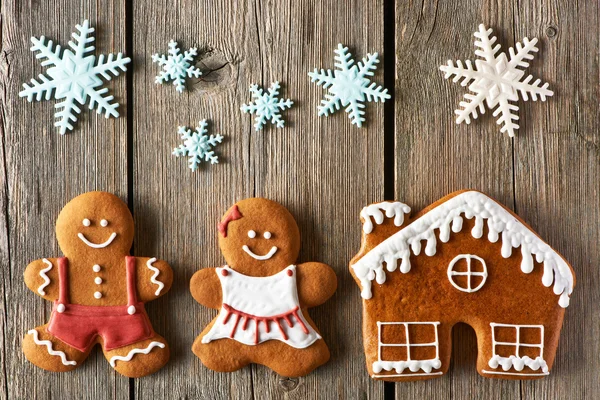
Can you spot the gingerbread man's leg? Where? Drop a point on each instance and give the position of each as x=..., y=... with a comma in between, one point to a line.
x=48, y=352
x=223, y=355
x=141, y=358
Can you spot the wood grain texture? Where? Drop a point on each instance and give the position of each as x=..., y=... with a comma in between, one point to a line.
x=323, y=170
x=41, y=172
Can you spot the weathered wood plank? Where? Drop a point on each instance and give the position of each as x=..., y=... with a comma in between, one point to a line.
x=434, y=156
x=310, y=166
x=41, y=172
x=557, y=165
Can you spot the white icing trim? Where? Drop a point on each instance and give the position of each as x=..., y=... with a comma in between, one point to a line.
x=446, y=217
x=44, y=277
x=514, y=373
x=156, y=273
x=129, y=356
x=97, y=246
x=256, y=256
x=413, y=365
x=516, y=361
x=51, y=351
x=406, y=375
x=395, y=209
x=468, y=273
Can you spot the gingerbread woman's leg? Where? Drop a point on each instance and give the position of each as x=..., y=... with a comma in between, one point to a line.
x=291, y=362
x=48, y=352
x=141, y=358
x=222, y=355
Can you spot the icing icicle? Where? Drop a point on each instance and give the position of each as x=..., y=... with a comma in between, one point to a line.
x=44, y=277
x=129, y=356
x=449, y=216
x=395, y=210
x=51, y=351
x=156, y=273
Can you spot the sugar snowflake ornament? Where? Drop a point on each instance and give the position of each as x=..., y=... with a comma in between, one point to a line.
x=349, y=85
x=197, y=145
x=176, y=66
x=496, y=80
x=74, y=76
x=267, y=106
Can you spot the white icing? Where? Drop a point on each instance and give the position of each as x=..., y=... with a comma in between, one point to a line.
x=413, y=365
x=129, y=356
x=156, y=273
x=51, y=351
x=395, y=209
x=131, y=310
x=104, y=222
x=262, y=297
x=448, y=216
x=251, y=234
x=44, y=277
x=96, y=268
x=60, y=308
x=98, y=295
x=95, y=245
x=256, y=256
x=517, y=361
x=86, y=222
x=468, y=273
x=98, y=280
x=267, y=235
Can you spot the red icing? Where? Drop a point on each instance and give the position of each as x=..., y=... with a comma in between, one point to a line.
x=231, y=216
x=289, y=272
x=224, y=272
x=257, y=320
x=79, y=325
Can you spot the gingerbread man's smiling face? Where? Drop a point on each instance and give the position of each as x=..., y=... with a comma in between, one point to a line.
x=95, y=223
x=259, y=237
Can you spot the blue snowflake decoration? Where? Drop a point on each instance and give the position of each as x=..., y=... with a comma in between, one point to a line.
x=349, y=85
x=74, y=76
x=267, y=106
x=176, y=66
x=197, y=145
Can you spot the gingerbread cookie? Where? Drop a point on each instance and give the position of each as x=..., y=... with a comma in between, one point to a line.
x=262, y=296
x=454, y=262
x=98, y=291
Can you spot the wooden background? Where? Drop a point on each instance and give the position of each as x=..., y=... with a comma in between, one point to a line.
x=323, y=169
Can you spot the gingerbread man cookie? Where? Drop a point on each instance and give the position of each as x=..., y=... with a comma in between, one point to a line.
x=98, y=291
x=262, y=296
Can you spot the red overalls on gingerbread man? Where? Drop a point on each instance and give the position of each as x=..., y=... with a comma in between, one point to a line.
x=98, y=291
x=262, y=295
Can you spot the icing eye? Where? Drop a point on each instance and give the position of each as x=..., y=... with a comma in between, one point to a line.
x=104, y=222
x=251, y=234
x=267, y=235
x=86, y=222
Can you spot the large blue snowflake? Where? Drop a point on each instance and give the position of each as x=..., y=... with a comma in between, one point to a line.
x=267, y=106
x=73, y=77
x=197, y=145
x=349, y=85
x=176, y=66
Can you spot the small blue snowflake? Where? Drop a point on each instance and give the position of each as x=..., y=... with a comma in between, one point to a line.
x=266, y=106
x=197, y=145
x=349, y=85
x=176, y=66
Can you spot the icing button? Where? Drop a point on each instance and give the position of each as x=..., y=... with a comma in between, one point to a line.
x=97, y=280
x=98, y=295
x=289, y=272
x=131, y=310
x=224, y=272
x=60, y=308
x=96, y=268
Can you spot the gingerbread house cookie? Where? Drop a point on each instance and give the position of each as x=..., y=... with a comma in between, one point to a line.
x=465, y=258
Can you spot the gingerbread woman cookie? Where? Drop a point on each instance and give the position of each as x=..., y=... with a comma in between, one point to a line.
x=98, y=291
x=262, y=296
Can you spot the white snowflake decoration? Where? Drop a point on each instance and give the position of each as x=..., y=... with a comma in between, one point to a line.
x=197, y=145
x=267, y=106
x=349, y=85
x=176, y=66
x=497, y=80
x=74, y=76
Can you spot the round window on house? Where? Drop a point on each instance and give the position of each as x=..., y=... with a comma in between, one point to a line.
x=467, y=272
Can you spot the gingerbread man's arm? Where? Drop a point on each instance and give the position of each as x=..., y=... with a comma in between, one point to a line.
x=206, y=288
x=154, y=278
x=316, y=283
x=41, y=277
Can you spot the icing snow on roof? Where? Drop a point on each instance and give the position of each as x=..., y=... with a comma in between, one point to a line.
x=449, y=216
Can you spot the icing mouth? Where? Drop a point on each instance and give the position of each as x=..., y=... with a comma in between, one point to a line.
x=256, y=256
x=97, y=246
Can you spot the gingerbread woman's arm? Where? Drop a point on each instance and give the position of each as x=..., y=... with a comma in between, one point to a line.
x=154, y=278
x=41, y=277
x=206, y=288
x=316, y=283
